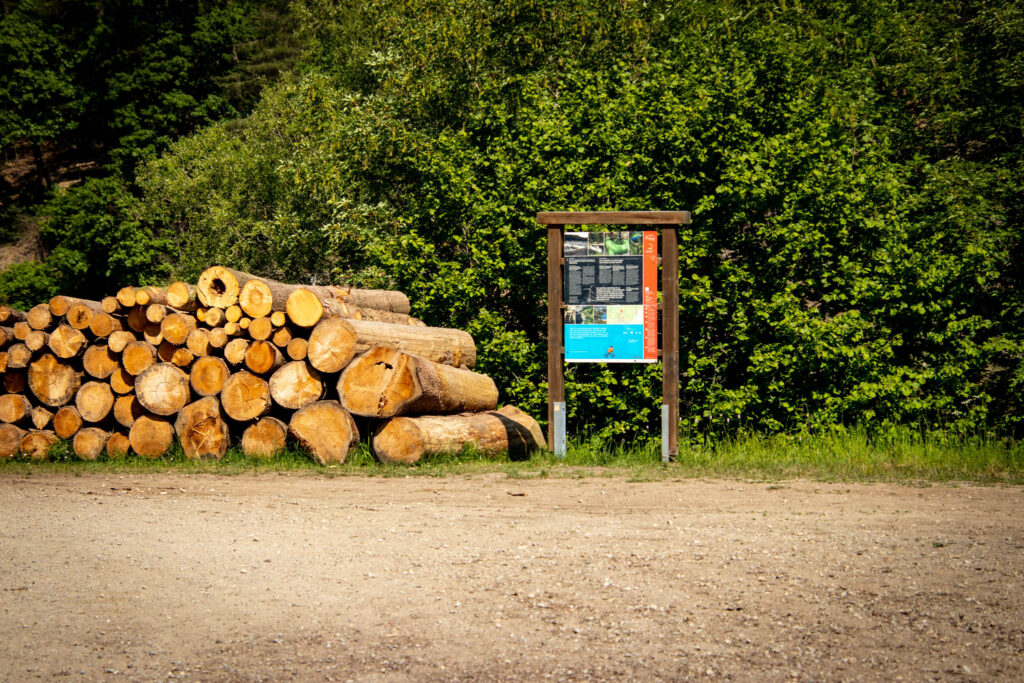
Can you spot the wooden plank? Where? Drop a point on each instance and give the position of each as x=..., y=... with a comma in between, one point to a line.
x=613, y=217
x=556, y=380
x=670, y=333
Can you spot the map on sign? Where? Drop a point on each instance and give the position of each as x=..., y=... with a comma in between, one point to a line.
x=611, y=297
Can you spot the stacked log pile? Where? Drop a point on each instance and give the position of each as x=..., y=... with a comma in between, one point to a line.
x=239, y=358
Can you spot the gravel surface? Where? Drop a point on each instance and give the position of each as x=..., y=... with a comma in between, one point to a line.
x=294, y=577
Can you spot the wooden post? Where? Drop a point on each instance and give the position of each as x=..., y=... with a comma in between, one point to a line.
x=669, y=342
x=556, y=378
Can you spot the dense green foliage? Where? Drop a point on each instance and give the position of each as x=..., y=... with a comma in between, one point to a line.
x=855, y=173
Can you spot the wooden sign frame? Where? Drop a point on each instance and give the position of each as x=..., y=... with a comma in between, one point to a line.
x=667, y=221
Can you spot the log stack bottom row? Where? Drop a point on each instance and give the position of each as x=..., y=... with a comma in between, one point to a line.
x=241, y=359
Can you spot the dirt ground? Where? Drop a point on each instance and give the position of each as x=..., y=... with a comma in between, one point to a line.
x=297, y=577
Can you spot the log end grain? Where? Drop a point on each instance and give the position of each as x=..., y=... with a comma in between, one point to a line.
x=162, y=389
x=265, y=438
x=151, y=436
x=90, y=442
x=202, y=431
x=10, y=440
x=325, y=429
x=332, y=345
x=245, y=396
x=295, y=385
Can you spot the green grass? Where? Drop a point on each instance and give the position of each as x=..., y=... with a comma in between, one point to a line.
x=849, y=456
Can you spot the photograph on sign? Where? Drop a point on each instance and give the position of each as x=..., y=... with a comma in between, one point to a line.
x=607, y=296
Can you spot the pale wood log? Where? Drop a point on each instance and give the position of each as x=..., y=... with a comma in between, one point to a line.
x=332, y=345
x=15, y=381
x=234, y=351
x=201, y=314
x=10, y=440
x=10, y=315
x=379, y=299
x=264, y=438
x=245, y=396
x=81, y=313
x=439, y=344
x=297, y=348
x=3, y=361
x=155, y=313
x=202, y=431
x=151, y=436
x=6, y=336
x=126, y=297
x=256, y=299
x=138, y=356
x=214, y=317
x=243, y=323
x=281, y=337
x=90, y=442
x=153, y=334
x=60, y=304
x=384, y=382
x=41, y=417
x=36, y=340
x=119, y=339
x=208, y=375
x=375, y=315
x=278, y=318
x=218, y=338
x=122, y=381
x=21, y=330
x=261, y=329
x=295, y=385
x=407, y=439
x=233, y=313
x=53, y=382
x=162, y=389
x=177, y=326
x=127, y=410
x=104, y=325
x=262, y=357
x=118, y=445
x=176, y=355
x=136, y=319
x=99, y=361
x=66, y=422
x=165, y=351
x=232, y=329
x=40, y=318
x=67, y=342
x=111, y=305
x=325, y=429
x=94, y=401
x=306, y=307
x=18, y=356
x=36, y=444
x=145, y=296
x=198, y=342
x=14, y=408
x=182, y=296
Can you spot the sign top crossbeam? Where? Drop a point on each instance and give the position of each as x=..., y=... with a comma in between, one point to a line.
x=613, y=217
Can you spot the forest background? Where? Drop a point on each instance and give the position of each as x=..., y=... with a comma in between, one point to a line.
x=854, y=170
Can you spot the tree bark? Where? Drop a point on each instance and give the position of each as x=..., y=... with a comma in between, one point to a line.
x=162, y=389
x=265, y=438
x=201, y=430
x=67, y=421
x=373, y=315
x=90, y=442
x=384, y=382
x=407, y=439
x=94, y=401
x=208, y=375
x=379, y=299
x=326, y=430
x=150, y=436
x=296, y=385
x=245, y=396
x=52, y=382
x=439, y=344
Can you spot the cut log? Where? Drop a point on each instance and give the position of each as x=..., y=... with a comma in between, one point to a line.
x=3, y=361
x=151, y=436
x=40, y=318
x=155, y=313
x=66, y=422
x=122, y=381
x=36, y=339
x=218, y=338
x=15, y=381
x=245, y=396
x=162, y=389
x=10, y=440
x=407, y=439
x=136, y=319
x=52, y=382
x=234, y=351
x=104, y=324
x=439, y=344
x=127, y=410
x=232, y=329
x=119, y=339
x=36, y=444
x=94, y=401
x=18, y=356
x=14, y=408
x=305, y=307
x=203, y=433
x=10, y=315
x=182, y=296
x=144, y=296
x=21, y=330
x=90, y=442
x=177, y=326
x=118, y=445
x=180, y=356
x=201, y=314
x=281, y=337
x=384, y=382
x=374, y=315
x=214, y=317
x=208, y=375
x=243, y=323
x=6, y=337
x=111, y=305
x=325, y=429
x=41, y=417
x=380, y=299
x=295, y=385
x=256, y=299
x=233, y=313
x=81, y=313
x=332, y=345
x=61, y=305
x=138, y=356
x=297, y=348
x=67, y=342
x=262, y=357
x=99, y=361
x=278, y=318
x=198, y=342
x=260, y=329
x=126, y=297
x=265, y=438
x=153, y=333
